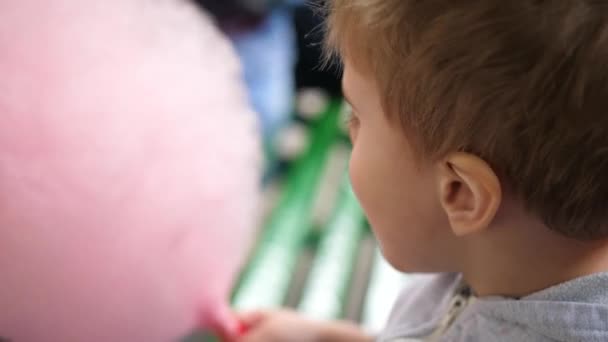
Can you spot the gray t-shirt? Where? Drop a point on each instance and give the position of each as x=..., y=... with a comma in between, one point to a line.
x=436, y=309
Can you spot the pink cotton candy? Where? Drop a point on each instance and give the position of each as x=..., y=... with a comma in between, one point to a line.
x=128, y=171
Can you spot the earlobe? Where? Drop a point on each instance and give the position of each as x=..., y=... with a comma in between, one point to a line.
x=469, y=191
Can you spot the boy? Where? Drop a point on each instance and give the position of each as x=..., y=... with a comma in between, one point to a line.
x=480, y=152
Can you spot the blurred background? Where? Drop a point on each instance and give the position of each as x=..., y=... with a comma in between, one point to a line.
x=315, y=252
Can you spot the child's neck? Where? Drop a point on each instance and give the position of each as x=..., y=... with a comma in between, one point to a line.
x=519, y=257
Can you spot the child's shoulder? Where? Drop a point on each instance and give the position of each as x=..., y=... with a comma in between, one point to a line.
x=421, y=305
x=435, y=304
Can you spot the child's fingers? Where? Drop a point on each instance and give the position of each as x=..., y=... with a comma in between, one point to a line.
x=252, y=319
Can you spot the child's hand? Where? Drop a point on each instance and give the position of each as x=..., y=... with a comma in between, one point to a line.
x=288, y=326
x=279, y=326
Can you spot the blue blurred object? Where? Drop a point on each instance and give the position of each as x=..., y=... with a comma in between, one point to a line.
x=264, y=35
x=268, y=53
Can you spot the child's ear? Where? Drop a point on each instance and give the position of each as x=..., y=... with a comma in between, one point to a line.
x=469, y=192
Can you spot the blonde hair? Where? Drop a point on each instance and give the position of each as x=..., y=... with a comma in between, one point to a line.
x=521, y=84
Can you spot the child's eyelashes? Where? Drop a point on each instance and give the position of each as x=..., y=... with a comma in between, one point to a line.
x=351, y=121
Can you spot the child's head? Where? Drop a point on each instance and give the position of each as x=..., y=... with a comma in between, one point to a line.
x=464, y=108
